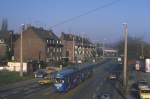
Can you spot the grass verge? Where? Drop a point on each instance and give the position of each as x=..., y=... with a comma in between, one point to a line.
x=7, y=77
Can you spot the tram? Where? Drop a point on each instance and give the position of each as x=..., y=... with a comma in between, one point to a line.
x=71, y=77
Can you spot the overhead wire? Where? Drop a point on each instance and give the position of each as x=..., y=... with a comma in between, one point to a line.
x=86, y=13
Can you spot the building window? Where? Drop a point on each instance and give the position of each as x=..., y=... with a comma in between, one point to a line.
x=1, y=41
x=53, y=41
x=48, y=50
x=53, y=49
x=47, y=41
x=57, y=58
x=60, y=42
x=76, y=52
x=51, y=54
x=50, y=41
x=60, y=49
x=76, y=47
x=57, y=41
x=57, y=49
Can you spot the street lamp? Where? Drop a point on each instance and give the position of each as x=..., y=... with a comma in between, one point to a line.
x=125, y=56
x=21, y=60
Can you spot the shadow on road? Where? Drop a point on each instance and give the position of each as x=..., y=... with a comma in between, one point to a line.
x=119, y=90
x=134, y=91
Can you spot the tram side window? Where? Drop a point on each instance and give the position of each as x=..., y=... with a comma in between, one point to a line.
x=68, y=79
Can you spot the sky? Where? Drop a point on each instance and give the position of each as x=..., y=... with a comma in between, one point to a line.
x=105, y=24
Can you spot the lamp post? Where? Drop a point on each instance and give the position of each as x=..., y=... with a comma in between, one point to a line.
x=125, y=56
x=73, y=45
x=21, y=54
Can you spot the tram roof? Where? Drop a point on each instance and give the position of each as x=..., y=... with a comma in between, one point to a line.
x=65, y=72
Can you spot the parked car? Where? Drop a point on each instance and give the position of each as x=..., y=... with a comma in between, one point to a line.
x=45, y=81
x=40, y=73
x=142, y=84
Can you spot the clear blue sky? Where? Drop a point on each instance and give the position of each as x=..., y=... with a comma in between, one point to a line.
x=103, y=24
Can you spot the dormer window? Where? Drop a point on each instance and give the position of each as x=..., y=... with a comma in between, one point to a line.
x=1, y=41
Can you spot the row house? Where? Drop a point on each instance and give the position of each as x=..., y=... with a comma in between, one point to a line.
x=39, y=45
x=3, y=48
x=77, y=48
x=5, y=45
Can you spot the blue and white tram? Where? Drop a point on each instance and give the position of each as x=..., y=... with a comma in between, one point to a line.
x=86, y=72
x=69, y=78
x=66, y=79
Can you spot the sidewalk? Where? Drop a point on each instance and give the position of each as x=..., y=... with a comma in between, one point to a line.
x=133, y=78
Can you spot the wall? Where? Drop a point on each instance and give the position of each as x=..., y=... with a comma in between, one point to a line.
x=32, y=47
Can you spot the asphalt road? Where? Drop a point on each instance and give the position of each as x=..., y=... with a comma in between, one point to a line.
x=89, y=89
x=21, y=91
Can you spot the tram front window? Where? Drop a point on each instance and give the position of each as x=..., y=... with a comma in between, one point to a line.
x=58, y=80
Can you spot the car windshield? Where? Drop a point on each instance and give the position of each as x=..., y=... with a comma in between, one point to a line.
x=145, y=91
x=143, y=82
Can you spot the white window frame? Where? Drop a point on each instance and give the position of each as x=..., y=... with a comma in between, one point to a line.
x=60, y=49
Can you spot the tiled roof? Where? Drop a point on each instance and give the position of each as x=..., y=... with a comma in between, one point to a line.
x=43, y=34
x=69, y=37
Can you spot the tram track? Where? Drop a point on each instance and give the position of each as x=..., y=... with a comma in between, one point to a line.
x=15, y=93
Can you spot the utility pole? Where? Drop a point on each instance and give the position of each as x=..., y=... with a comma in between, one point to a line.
x=21, y=60
x=82, y=49
x=125, y=57
x=73, y=49
x=103, y=48
x=142, y=47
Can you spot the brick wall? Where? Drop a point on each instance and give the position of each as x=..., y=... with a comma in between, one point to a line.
x=32, y=47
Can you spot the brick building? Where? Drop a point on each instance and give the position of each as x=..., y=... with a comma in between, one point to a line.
x=39, y=45
x=3, y=48
x=4, y=45
x=77, y=48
